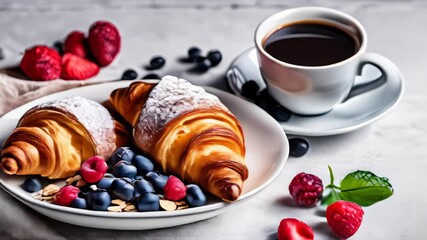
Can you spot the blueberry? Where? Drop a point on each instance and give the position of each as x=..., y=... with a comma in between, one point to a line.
x=121, y=153
x=98, y=200
x=151, y=76
x=142, y=164
x=214, y=57
x=148, y=202
x=194, y=52
x=142, y=186
x=124, y=169
x=79, y=203
x=250, y=89
x=156, y=62
x=1, y=54
x=139, y=177
x=59, y=47
x=158, y=180
x=195, y=196
x=105, y=182
x=281, y=113
x=31, y=185
x=129, y=74
x=122, y=189
x=202, y=66
x=298, y=147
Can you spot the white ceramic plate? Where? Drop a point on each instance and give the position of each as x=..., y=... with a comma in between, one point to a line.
x=267, y=151
x=348, y=116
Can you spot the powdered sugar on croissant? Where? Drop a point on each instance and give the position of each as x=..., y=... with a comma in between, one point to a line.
x=172, y=97
x=92, y=115
x=54, y=138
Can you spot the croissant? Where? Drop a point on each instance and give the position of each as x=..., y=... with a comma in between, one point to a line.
x=188, y=132
x=54, y=138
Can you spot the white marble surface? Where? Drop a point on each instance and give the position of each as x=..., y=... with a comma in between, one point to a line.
x=393, y=146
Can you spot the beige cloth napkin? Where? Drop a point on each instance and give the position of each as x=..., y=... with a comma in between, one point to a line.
x=15, y=91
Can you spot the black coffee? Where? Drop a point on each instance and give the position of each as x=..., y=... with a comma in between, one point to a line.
x=310, y=44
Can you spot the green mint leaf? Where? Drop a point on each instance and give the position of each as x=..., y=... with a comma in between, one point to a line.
x=331, y=197
x=365, y=188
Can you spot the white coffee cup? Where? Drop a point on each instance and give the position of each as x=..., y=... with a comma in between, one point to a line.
x=313, y=90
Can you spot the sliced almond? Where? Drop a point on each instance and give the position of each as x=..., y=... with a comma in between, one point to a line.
x=70, y=180
x=50, y=190
x=81, y=183
x=114, y=208
x=119, y=202
x=130, y=208
x=167, y=205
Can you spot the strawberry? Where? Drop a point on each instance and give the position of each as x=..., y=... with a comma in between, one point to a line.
x=41, y=63
x=77, y=68
x=344, y=218
x=294, y=229
x=104, y=42
x=75, y=43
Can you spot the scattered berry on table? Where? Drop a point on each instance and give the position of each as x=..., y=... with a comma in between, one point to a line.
x=194, y=53
x=121, y=153
x=148, y=202
x=75, y=43
x=344, y=218
x=294, y=229
x=93, y=169
x=41, y=63
x=124, y=169
x=31, y=185
x=195, y=196
x=250, y=89
x=79, y=203
x=156, y=62
x=281, y=113
x=77, y=68
x=104, y=42
x=66, y=195
x=122, y=189
x=174, y=189
x=1, y=54
x=202, y=65
x=306, y=189
x=151, y=76
x=59, y=47
x=298, y=147
x=214, y=56
x=98, y=200
x=142, y=186
x=129, y=74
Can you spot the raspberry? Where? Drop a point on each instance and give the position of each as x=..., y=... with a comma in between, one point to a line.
x=66, y=195
x=93, y=169
x=294, y=229
x=306, y=189
x=175, y=189
x=41, y=63
x=104, y=42
x=344, y=218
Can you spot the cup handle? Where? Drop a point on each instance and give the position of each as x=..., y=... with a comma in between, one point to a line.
x=384, y=65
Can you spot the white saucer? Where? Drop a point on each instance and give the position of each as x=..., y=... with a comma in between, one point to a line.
x=348, y=116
